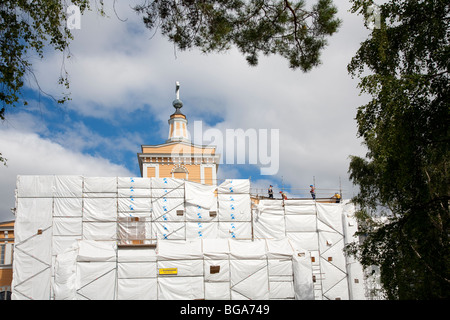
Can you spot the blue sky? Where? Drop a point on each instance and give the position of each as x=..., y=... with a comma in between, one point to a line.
x=122, y=84
x=95, y=136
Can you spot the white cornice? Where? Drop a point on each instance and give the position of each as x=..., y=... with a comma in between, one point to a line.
x=190, y=144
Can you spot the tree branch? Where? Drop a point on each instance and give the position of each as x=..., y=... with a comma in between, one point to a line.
x=287, y=5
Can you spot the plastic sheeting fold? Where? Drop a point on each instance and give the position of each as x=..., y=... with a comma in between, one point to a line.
x=234, y=186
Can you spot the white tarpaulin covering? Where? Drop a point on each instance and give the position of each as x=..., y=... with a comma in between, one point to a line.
x=318, y=228
x=32, y=248
x=196, y=269
x=331, y=245
x=200, y=194
x=355, y=273
x=96, y=270
x=64, y=284
x=136, y=274
x=234, y=207
x=235, y=186
x=94, y=238
x=198, y=213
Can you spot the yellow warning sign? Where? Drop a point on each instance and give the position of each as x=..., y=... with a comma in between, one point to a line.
x=168, y=271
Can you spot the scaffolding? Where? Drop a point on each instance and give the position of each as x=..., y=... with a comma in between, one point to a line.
x=166, y=238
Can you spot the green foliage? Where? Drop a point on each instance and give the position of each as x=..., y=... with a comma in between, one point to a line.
x=3, y=160
x=403, y=65
x=256, y=26
x=26, y=28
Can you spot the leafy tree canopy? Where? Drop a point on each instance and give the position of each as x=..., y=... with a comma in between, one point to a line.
x=404, y=65
x=26, y=28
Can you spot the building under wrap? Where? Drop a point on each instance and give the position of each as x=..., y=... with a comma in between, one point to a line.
x=163, y=238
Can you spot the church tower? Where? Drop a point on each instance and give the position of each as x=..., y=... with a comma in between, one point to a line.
x=178, y=157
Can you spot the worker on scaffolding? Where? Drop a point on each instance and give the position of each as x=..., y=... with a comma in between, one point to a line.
x=283, y=196
x=270, y=191
x=336, y=197
x=313, y=192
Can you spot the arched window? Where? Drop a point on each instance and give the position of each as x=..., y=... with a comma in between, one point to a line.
x=180, y=173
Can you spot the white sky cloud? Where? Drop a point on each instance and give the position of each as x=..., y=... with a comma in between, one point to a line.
x=29, y=154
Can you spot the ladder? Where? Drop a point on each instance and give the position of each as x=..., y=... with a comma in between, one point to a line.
x=317, y=274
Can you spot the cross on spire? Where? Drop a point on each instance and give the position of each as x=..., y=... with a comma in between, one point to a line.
x=177, y=89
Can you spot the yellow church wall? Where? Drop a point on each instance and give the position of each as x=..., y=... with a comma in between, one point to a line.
x=6, y=277
x=6, y=239
x=165, y=171
x=194, y=172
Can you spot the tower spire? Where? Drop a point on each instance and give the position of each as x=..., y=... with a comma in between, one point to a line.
x=177, y=89
x=177, y=121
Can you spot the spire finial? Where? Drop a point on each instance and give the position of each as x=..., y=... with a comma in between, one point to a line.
x=177, y=90
x=177, y=102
